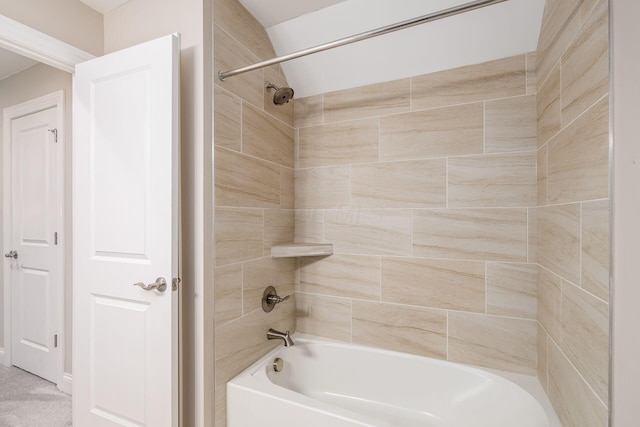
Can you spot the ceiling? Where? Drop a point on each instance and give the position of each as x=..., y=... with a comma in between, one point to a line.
x=272, y=12
x=12, y=63
x=498, y=31
x=104, y=6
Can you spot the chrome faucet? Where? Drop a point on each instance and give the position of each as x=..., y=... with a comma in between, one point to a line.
x=272, y=334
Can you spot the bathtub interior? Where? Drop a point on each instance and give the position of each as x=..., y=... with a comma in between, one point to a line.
x=397, y=388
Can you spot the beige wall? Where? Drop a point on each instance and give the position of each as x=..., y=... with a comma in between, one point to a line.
x=70, y=21
x=135, y=22
x=573, y=213
x=626, y=211
x=253, y=197
x=426, y=188
x=31, y=83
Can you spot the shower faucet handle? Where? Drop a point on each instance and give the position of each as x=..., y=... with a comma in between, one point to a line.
x=270, y=298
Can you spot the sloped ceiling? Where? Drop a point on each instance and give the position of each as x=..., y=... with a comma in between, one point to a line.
x=12, y=63
x=497, y=31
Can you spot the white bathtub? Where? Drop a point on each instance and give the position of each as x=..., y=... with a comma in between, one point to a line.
x=329, y=384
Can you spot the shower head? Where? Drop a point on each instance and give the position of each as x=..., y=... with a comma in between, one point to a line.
x=282, y=95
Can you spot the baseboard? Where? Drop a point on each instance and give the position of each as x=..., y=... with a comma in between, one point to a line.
x=1, y=356
x=67, y=382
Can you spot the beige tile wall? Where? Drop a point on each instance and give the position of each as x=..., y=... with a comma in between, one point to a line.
x=424, y=186
x=254, y=197
x=573, y=212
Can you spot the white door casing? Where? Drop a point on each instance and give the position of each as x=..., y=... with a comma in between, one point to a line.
x=125, y=207
x=33, y=187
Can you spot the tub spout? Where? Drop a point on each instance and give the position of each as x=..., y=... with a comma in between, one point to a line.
x=272, y=334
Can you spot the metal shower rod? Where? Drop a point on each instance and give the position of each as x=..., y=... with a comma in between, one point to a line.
x=467, y=7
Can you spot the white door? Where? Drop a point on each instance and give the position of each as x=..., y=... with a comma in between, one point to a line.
x=125, y=211
x=33, y=252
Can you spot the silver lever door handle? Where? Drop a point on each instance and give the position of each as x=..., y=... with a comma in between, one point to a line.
x=160, y=285
x=11, y=254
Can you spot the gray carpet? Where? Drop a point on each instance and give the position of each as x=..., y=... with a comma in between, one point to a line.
x=30, y=401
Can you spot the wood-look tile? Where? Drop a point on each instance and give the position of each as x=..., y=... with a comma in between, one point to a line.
x=455, y=285
x=572, y=399
x=226, y=117
x=510, y=125
x=550, y=303
x=549, y=108
x=585, y=65
x=542, y=165
x=238, y=235
x=394, y=327
x=474, y=234
x=409, y=184
x=258, y=274
x=278, y=228
x=287, y=189
x=369, y=232
x=532, y=226
x=245, y=181
x=265, y=137
x=221, y=405
x=560, y=25
x=380, y=99
x=490, y=80
x=531, y=73
x=559, y=240
x=542, y=357
x=579, y=158
x=228, y=293
x=586, y=7
x=308, y=111
x=512, y=290
x=493, y=342
x=309, y=226
x=441, y=132
x=232, y=16
x=242, y=341
x=324, y=316
x=229, y=54
x=283, y=112
x=500, y=180
x=323, y=188
x=585, y=337
x=339, y=144
x=595, y=248
x=350, y=276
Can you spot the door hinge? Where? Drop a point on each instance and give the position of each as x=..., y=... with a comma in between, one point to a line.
x=55, y=238
x=174, y=283
x=55, y=134
x=55, y=341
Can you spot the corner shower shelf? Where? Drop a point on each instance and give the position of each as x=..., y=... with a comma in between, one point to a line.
x=289, y=250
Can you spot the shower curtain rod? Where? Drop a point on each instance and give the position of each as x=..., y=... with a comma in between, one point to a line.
x=467, y=7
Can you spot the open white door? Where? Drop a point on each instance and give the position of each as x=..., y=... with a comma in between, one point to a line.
x=125, y=232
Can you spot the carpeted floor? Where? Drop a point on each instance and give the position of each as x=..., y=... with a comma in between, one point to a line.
x=30, y=401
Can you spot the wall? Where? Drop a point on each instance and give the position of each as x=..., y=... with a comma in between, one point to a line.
x=625, y=58
x=70, y=21
x=31, y=83
x=573, y=213
x=254, y=148
x=427, y=188
x=135, y=22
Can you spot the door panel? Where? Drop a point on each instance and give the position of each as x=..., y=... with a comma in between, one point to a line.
x=125, y=232
x=34, y=216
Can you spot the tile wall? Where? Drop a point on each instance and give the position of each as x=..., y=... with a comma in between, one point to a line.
x=573, y=212
x=427, y=188
x=253, y=170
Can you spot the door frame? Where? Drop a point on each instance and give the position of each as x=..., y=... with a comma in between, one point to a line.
x=24, y=40
x=53, y=100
